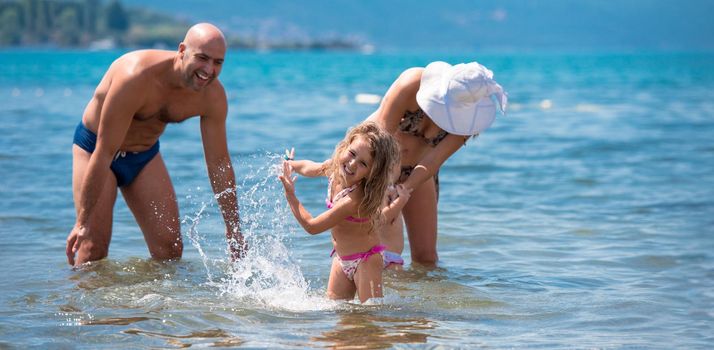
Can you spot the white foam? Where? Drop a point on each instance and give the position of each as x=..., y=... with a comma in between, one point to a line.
x=587, y=108
x=268, y=276
x=546, y=104
x=368, y=99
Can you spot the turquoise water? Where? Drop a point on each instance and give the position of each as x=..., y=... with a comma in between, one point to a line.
x=582, y=219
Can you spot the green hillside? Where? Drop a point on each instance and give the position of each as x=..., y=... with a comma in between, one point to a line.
x=99, y=24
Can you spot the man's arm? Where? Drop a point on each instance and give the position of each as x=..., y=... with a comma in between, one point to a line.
x=120, y=104
x=220, y=169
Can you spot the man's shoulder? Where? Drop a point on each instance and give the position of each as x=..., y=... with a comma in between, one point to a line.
x=215, y=99
x=216, y=90
x=141, y=63
x=147, y=56
x=214, y=93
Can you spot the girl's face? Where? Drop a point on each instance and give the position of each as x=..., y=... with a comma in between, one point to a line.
x=356, y=161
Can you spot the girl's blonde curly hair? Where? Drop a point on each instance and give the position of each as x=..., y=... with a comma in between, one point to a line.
x=385, y=157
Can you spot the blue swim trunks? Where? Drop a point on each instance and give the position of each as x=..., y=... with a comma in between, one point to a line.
x=126, y=165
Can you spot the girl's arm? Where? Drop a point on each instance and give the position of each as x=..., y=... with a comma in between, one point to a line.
x=305, y=167
x=322, y=222
x=308, y=168
x=395, y=205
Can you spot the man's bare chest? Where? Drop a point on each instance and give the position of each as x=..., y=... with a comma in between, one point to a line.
x=169, y=110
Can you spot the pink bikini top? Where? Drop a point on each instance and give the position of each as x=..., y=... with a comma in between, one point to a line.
x=330, y=203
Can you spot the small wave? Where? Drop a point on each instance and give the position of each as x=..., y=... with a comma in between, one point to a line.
x=368, y=99
x=114, y=321
x=546, y=104
x=587, y=108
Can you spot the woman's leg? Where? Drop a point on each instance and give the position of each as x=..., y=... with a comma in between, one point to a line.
x=391, y=235
x=421, y=219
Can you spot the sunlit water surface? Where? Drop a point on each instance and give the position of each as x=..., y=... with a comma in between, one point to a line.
x=582, y=219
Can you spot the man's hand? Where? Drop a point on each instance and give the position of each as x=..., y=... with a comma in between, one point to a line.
x=236, y=245
x=75, y=238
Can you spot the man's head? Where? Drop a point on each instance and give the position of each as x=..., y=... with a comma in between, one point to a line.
x=201, y=54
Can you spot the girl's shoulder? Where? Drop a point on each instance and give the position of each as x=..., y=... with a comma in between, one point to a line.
x=349, y=196
x=355, y=198
x=326, y=168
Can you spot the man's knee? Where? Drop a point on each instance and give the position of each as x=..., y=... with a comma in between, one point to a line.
x=171, y=250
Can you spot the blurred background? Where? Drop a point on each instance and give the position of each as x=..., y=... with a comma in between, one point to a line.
x=582, y=219
x=366, y=25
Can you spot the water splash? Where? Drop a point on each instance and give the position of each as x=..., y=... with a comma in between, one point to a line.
x=267, y=276
x=195, y=238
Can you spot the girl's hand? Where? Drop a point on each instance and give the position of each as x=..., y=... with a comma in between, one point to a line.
x=392, y=193
x=403, y=192
x=287, y=178
x=290, y=155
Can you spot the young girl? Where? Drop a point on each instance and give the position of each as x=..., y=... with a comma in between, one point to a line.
x=358, y=175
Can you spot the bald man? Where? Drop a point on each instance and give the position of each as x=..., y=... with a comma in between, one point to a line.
x=116, y=145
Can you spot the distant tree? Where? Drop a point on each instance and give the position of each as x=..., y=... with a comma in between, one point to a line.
x=29, y=8
x=90, y=16
x=42, y=20
x=116, y=17
x=68, y=27
x=10, y=26
x=81, y=22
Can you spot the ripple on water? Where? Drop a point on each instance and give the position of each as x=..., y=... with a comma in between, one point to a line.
x=651, y=262
x=118, y=321
x=571, y=227
x=209, y=337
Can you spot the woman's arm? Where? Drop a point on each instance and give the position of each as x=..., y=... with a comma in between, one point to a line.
x=394, y=205
x=432, y=161
x=400, y=95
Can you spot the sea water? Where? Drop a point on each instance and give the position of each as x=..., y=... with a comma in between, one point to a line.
x=582, y=219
